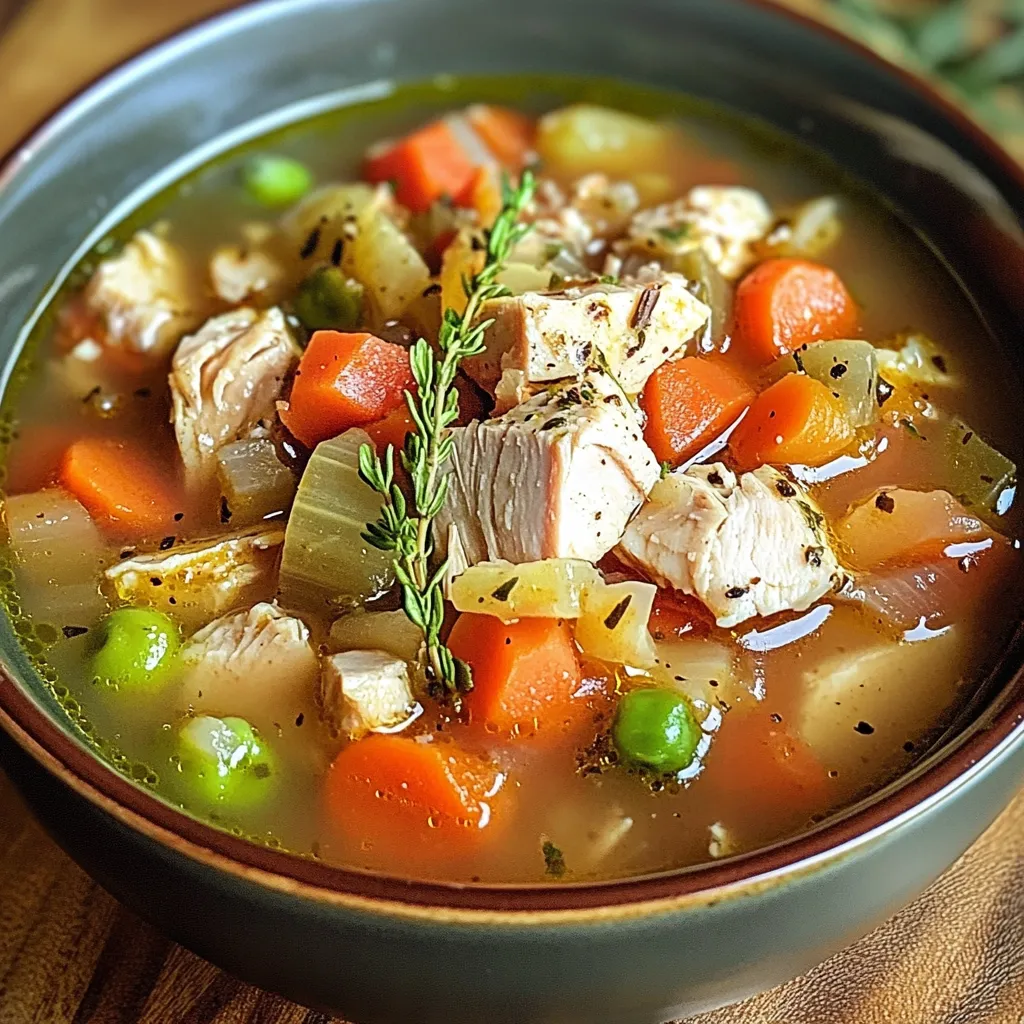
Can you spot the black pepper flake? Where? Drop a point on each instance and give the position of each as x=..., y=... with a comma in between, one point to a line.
x=127, y=552
x=798, y=361
x=967, y=437
x=785, y=488
x=336, y=252
x=837, y=371
x=775, y=717
x=476, y=243
x=833, y=774
x=734, y=593
x=813, y=556
x=502, y=593
x=939, y=363
x=555, y=421
x=508, y=640
x=172, y=600
x=884, y=503
x=431, y=289
x=883, y=391
x=70, y=632
x=715, y=478
x=167, y=542
x=311, y=244
x=908, y=746
x=225, y=510
x=597, y=515
x=155, y=580
x=178, y=516
x=142, y=392
x=986, y=479
x=864, y=728
x=300, y=718
x=644, y=308
x=615, y=615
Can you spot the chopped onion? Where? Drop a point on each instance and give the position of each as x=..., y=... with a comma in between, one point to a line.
x=254, y=482
x=391, y=632
x=326, y=563
x=613, y=623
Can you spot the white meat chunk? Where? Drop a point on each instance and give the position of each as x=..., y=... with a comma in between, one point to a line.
x=238, y=272
x=196, y=582
x=365, y=691
x=145, y=296
x=724, y=221
x=224, y=380
x=557, y=477
x=749, y=546
x=258, y=663
x=538, y=337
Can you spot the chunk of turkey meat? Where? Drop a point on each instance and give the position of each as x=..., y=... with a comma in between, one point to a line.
x=557, y=477
x=365, y=691
x=258, y=663
x=238, y=272
x=538, y=337
x=198, y=581
x=724, y=221
x=224, y=380
x=145, y=296
x=750, y=546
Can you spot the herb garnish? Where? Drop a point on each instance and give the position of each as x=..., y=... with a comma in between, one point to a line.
x=405, y=526
x=554, y=861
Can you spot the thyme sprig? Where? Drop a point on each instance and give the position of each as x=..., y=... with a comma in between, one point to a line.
x=405, y=525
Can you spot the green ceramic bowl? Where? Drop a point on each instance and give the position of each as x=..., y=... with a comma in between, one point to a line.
x=385, y=950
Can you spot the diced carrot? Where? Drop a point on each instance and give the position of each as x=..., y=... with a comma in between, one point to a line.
x=406, y=797
x=675, y=614
x=392, y=429
x=525, y=674
x=119, y=485
x=343, y=381
x=901, y=526
x=423, y=167
x=785, y=303
x=689, y=403
x=508, y=134
x=795, y=421
x=757, y=761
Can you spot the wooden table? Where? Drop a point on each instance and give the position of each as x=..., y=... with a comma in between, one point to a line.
x=70, y=953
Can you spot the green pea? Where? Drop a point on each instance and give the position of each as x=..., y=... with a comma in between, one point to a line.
x=656, y=728
x=328, y=300
x=137, y=651
x=224, y=761
x=276, y=180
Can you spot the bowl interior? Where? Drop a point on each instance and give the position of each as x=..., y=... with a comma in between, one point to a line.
x=271, y=63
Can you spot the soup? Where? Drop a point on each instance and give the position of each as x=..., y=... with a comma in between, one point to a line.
x=482, y=489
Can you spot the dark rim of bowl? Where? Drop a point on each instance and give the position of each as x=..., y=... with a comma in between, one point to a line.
x=42, y=738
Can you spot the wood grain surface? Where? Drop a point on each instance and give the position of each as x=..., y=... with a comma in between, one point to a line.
x=70, y=953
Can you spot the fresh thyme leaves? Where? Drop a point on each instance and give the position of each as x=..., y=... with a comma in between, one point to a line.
x=405, y=525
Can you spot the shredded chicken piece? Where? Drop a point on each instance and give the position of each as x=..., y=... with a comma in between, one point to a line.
x=238, y=272
x=365, y=691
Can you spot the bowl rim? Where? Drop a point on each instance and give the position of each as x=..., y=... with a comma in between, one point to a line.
x=73, y=763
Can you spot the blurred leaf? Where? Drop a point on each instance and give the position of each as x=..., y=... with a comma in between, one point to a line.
x=944, y=35
x=1002, y=60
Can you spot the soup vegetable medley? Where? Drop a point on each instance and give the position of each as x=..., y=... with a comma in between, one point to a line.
x=485, y=496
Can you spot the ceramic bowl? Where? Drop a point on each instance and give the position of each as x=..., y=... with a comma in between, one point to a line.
x=385, y=950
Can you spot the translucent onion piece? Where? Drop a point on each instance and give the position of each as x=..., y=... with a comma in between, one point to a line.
x=613, y=623
x=254, y=482
x=391, y=632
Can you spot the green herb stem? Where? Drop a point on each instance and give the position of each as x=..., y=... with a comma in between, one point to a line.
x=406, y=527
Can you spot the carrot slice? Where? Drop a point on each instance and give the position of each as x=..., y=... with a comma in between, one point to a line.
x=785, y=303
x=402, y=795
x=422, y=167
x=343, y=381
x=392, y=429
x=795, y=421
x=119, y=485
x=525, y=674
x=689, y=403
x=508, y=134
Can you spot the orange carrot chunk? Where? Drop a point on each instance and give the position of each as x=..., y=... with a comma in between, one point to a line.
x=525, y=673
x=392, y=429
x=423, y=167
x=400, y=795
x=689, y=403
x=797, y=421
x=343, y=381
x=783, y=304
x=118, y=484
x=508, y=134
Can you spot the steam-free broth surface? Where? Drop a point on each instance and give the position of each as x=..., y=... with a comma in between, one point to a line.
x=714, y=593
